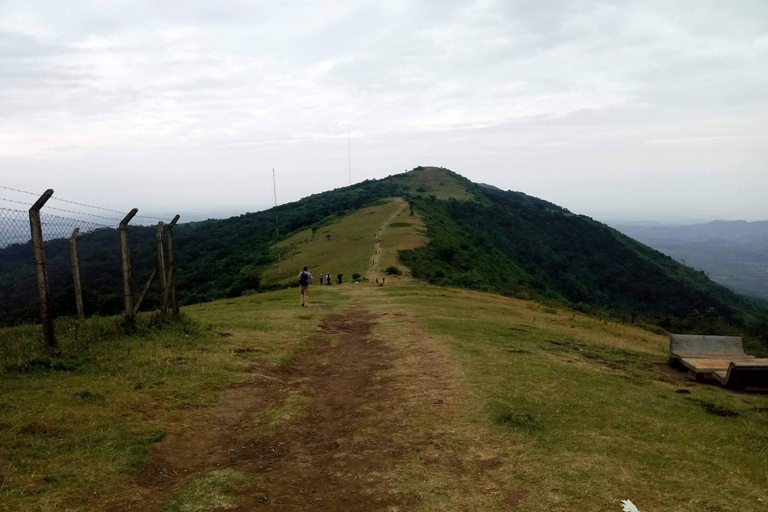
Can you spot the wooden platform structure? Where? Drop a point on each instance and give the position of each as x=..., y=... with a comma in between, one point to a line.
x=721, y=358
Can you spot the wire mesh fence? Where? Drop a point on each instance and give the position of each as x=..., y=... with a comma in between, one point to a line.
x=96, y=240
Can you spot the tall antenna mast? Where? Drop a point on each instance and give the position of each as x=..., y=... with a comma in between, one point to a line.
x=349, y=153
x=274, y=186
x=277, y=225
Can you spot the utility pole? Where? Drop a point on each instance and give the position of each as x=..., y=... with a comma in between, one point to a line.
x=349, y=154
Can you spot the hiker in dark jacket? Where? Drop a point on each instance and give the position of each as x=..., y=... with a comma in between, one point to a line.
x=328, y=278
x=305, y=279
x=339, y=278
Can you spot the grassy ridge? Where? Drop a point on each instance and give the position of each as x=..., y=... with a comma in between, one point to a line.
x=75, y=429
x=587, y=412
x=503, y=403
x=344, y=245
x=479, y=238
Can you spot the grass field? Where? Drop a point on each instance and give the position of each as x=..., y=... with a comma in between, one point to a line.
x=347, y=245
x=579, y=414
x=74, y=434
x=484, y=403
x=435, y=181
x=343, y=246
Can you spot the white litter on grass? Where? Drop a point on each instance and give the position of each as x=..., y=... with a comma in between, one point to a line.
x=628, y=506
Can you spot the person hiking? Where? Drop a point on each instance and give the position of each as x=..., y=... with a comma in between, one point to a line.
x=339, y=278
x=305, y=279
x=321, y=278
x=328, y=279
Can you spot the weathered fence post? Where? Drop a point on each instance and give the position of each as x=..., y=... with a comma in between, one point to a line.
x=125, y=251
x=169, y=295
x=76, y=274
x=43, y=290
x=172, y=262
x=160, y=256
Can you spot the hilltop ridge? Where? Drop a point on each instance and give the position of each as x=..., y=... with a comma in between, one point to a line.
x=471, y=235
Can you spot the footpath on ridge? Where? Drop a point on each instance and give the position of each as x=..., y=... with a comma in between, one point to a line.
x=370, y=395
x=375, y=271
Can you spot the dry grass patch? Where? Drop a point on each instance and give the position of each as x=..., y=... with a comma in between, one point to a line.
x=586, y=415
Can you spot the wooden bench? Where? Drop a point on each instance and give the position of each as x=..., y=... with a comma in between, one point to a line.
x=721, y=358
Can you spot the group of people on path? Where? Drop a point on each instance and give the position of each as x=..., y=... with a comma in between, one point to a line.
x=327, y=277
x=305, y=279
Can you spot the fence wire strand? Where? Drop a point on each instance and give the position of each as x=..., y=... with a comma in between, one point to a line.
x=54, y=198
x=99, y=256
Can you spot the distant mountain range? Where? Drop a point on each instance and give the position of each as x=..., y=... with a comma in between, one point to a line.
x=732, y=253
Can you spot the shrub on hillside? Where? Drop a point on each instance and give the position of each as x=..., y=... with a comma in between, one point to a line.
x=392, y=271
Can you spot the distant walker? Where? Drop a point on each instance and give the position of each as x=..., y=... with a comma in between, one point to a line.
x=305, y=279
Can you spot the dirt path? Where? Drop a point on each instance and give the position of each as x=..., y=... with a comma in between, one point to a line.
x=374, y=270
x=328, y=456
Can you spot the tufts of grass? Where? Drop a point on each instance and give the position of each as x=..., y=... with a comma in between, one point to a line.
x=210, y=492
x=74, y=428
x=512, y=417
x=22, y=350
x=269, y=420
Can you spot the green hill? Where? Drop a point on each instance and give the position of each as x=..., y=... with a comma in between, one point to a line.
x=477, y=237
x=539, y=396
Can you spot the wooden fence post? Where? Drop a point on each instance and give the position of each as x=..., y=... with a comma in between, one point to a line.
x=125, y=251
x=170, y=297
x=43, y=290
x=76, y=274
x=172, y=260
x=160, y=256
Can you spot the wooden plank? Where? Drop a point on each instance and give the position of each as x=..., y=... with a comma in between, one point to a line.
x=144, y=292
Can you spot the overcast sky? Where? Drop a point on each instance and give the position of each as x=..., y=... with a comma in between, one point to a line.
x=646, y=110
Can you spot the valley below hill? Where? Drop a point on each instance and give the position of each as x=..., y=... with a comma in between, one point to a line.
x=732, y=253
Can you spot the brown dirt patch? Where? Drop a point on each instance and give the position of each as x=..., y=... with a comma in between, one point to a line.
x=330, y=456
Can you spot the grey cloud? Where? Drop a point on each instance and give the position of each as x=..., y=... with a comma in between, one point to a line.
x=529, y=95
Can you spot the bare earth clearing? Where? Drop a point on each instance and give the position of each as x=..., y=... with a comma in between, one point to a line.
x=312, y=461
x=356, y=422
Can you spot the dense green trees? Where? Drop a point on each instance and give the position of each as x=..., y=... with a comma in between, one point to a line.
x=518, y=245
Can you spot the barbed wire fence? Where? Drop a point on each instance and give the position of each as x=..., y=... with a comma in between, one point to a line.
x=71, y=262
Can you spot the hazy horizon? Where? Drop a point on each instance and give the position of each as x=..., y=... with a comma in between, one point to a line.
x=641, y=111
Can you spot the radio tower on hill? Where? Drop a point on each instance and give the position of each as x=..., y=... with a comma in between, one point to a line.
x=349, y=153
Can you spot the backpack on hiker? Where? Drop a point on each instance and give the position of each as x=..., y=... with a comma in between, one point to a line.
x=304, y=279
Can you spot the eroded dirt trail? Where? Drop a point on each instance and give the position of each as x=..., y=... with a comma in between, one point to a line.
x=375, y=270
x=328, y=456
